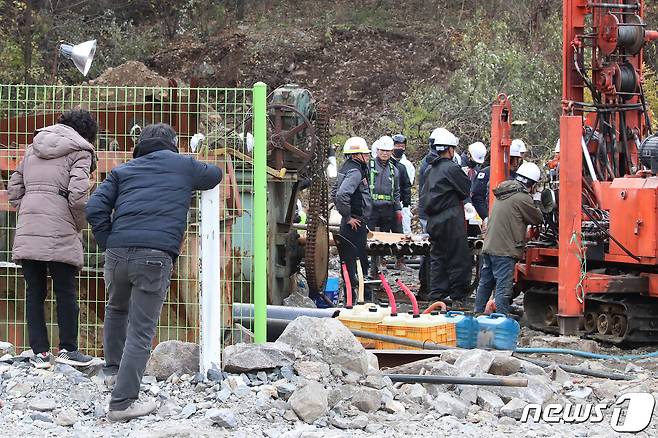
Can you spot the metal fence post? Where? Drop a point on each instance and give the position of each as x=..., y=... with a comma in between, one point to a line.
x=210, y=302
x=260, y=212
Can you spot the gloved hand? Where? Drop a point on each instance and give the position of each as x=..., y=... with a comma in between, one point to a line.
x=469, y=211
x=398, y=216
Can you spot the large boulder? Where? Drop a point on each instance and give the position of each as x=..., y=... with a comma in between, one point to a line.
x=245, y=358
x=328, y=337
x=171, y=357
x=310, y=401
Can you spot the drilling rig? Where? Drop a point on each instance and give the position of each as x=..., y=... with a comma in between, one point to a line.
x=591, y=269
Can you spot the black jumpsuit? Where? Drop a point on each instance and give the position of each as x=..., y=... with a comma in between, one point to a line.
x=445, y=189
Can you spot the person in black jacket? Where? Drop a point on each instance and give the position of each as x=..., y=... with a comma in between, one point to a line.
x=138, y=216
x=351, y=196
x=445, y=189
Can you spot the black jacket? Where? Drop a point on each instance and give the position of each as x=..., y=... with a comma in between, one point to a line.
x=144, y=202
x=480, y=192
x=422, y=175
x=351, y=193
x=446, y=186
x=404, y=183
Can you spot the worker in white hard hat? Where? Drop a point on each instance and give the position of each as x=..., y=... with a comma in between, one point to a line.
x=445, y=189
x=351, y=196
x=407, y=172
x=516, y=152
x=475, y=155
x=384, y=182
x=513, y=210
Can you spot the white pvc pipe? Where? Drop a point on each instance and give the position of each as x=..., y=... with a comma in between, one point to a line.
x=210, y=303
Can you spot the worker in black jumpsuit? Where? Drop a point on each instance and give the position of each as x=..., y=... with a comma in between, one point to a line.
x=445, y=189
x=351, y=196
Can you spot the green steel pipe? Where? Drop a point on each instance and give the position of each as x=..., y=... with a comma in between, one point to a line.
x=260, y=212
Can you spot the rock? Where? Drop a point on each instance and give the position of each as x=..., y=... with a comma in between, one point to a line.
x=451, y=356
x=244, y=358
x=169, y=408
x=417, y=367
x=373, y=362
x=6, y=348
x=415, y=392
x=445, y=404
x=215, y=375
x=330, y=338
x=569, y=342
x=224, y=395
x=284, y=388
x=558, y=375
x=171, y=357
x=66, y=417
x=367, y=400
x=289, y=415
x=20, y=389
x=375, y=381
x=474, y=362
x=444, y=369
x=358, y=422
x=582, y=392
x=469, y=394
x=632, y=368
x=43, y=404
x=312, y=370
x=531, y=369
x=538, y=391
x=39, y=416
x=296, y=299
x=149, y=380
x=222, y=418
x=310, y=401
x=606, y=389
x=504, y=364
x=513, y=408
x=288, y=373
x=188, y=411
x=393, y=406
x=489, y=401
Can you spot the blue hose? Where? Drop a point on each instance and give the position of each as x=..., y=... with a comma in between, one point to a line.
x=585, y=354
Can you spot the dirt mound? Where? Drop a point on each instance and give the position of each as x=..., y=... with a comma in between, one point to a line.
x=132, y=73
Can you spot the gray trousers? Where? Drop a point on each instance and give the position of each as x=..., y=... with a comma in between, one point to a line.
x=136, y=280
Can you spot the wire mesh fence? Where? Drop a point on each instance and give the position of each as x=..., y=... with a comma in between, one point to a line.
x=214, y=125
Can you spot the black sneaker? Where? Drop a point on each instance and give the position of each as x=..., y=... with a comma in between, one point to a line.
x=74, y=358
x=42, y=360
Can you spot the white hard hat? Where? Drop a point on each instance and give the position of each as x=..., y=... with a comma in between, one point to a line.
x=516, y=148
x=356, y=145
x=520, y=144
x=442, y=138
x=478, y=152
x=385, y=143
x=528, y=171
x=557, y=147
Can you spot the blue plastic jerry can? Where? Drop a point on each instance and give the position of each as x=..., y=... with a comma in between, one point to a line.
x=330, y=291
x=497, y=331
x=466, y=327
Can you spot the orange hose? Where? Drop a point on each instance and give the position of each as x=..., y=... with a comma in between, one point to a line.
x=432, y=307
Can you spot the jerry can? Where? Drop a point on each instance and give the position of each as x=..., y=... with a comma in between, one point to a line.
x=497, y=331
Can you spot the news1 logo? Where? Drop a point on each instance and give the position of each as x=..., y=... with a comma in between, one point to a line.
x=637, y=416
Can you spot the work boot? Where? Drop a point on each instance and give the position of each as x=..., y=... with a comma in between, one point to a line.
x=135, y=410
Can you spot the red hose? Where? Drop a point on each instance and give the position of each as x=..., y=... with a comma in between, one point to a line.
x=389, y=292
x=411, y=296
x=348, y=287
x=432, y=307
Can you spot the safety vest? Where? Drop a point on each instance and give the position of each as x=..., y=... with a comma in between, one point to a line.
x=373, y=171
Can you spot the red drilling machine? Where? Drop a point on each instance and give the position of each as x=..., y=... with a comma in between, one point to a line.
x=591, y=269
